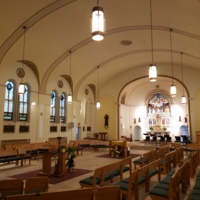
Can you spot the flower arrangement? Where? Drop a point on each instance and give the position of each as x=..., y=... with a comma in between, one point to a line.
x=151, y=128
x=164, y=128
x=71, y=155
x=115, y=152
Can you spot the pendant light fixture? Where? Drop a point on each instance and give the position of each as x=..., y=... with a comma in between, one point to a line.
x=173, y=87
x=98, y=23
x=183, y=99
x=21, y=88
x=152, y=67
x=98, y=105
x=69, y=96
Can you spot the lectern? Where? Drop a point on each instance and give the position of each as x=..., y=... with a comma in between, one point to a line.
x=46, y=160
x=60, y=168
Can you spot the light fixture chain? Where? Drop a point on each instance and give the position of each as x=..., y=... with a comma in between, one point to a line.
x=151, y=30
x=171, y=54
x=182, y=68
x=70, y=62
x=98, y=82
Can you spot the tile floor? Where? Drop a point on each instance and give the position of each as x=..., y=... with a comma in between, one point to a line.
x=86, y=161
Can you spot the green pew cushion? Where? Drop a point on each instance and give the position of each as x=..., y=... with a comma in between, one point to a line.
x=197, y=184
x=193, y=197
x=196, y=191
x=89, y=181
x=37, y=192
x=10, y=193
x=162, y=185
x=110, y=175
x=140, y=180
x=124, y=186
x=153, y=172
x=126, y=168
x=159, y=192
x=140, y=161
x=166, y=180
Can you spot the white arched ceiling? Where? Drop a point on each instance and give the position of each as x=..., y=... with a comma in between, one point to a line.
x=56, y=27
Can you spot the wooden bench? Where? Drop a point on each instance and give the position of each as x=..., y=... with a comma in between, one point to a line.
x=107, y=173
x=168, y=187
x=154, y=168
x=22, y=197
x=130, y=185
x=107, y=193
x=93, y=181
x=25, y=155
x=195, y=193
x=11, y=187
x=8, y=156
x=83, y=194
x=143, y=160
x=99, y=144
x=36, y=185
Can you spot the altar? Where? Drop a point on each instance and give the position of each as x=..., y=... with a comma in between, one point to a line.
x=158, y=133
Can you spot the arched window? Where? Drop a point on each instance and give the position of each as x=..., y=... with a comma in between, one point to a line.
x=53, y=107
x=9, y=101
x=24, y=105
x=62, y=108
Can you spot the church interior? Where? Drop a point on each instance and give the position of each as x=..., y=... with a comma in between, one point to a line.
x=79, y=72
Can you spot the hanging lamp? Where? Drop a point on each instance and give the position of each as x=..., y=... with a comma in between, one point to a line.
x=98, y=104
x=21, y=88
x=98, y=23
x=152, y=67
x=183, y=99
x=69, y=96
x=173, y=87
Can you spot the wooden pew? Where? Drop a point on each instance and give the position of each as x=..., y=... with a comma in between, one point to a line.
x=130, y=186
x=165, y=191
x=112, y=170
x=36, y=185
x=143, y=160
x=165, y=163
x=154, y=168
x=83, y=194
x=8, y=156
x=22, y=197
x=25, y=156
x=93, y=181
x=107, y=193
x=11, y=187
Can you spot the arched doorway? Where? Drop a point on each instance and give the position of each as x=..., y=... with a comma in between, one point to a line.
x=137, y=133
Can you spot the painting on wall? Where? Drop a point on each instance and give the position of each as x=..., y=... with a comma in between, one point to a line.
x=158, y=104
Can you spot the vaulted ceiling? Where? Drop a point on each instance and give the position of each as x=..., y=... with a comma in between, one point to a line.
x=56, y=27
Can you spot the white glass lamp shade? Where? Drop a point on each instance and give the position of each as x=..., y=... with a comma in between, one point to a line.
x=98, y=105
x=183, y=99
x=69, y=98
x=173, y=90
x=21, y=89
x=152, y=73
x=98, y=29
